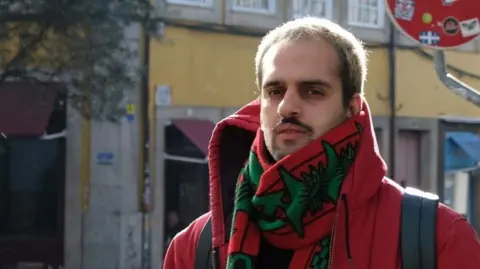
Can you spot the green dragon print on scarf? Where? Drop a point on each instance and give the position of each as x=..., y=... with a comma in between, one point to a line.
x=292, y=203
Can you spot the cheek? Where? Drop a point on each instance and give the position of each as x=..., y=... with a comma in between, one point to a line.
x=268, y=118
x=325, y=118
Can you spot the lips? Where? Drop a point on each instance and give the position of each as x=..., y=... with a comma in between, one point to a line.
x=288, y=128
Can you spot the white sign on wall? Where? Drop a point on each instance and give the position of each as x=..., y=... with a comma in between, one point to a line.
x=163, y=95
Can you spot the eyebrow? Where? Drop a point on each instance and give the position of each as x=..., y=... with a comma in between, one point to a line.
x=311, y=82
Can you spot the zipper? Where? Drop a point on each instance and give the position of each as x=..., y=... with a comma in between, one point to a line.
x=330, y=247
x=214, y=258
x=332, y=236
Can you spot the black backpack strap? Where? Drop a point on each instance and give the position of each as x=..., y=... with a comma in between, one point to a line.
x=418, y=229
x=203, y=252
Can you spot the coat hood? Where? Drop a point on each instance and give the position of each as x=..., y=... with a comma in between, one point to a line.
x=229, y=148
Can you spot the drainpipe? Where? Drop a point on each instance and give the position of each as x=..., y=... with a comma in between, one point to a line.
x=452, y=83
x=392, y=100
x=147, y=190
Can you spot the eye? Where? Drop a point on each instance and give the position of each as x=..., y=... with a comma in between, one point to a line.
x=275, y=91
x=315, y=91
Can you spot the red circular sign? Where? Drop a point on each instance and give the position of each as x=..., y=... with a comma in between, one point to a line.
x=437, y=24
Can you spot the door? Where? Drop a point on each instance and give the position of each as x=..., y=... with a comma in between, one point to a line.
x=378, y=136
x=186, y=173
x=407, y=163
x=32, y=180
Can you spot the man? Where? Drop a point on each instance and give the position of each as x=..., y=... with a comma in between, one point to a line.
x=173, y=226
x=310, y=184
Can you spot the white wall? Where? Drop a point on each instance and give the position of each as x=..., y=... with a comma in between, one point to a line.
x=108, y=234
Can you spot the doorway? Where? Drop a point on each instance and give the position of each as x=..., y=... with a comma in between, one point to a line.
x=186, y=173
x=32, y=175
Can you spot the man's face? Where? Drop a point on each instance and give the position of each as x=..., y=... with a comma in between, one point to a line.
x=301, y=95
x=172, y=219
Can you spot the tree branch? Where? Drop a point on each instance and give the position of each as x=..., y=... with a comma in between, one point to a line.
x=22, y=52
x=59, y=47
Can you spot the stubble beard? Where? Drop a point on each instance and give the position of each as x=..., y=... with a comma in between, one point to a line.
x=290, y=147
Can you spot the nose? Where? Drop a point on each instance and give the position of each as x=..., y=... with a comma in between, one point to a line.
x=290, y=106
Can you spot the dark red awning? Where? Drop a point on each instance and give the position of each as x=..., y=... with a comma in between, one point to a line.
x=197, y=131
x=25, y=108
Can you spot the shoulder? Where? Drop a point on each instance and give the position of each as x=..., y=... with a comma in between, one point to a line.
x=181, y=252
x=458, y=245
x=457, y=242
x=447, y=218
x=449, y=222
x=450, y=225
x=191, y=234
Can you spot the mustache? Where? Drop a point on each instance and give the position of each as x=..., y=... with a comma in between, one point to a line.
x=292, y=120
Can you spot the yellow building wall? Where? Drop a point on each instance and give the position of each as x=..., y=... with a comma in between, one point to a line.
x=204, y=69
x=211, y=69
x=420, y=92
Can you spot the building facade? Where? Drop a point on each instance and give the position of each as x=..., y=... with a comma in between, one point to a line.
x=202, y=70
x=70, y=187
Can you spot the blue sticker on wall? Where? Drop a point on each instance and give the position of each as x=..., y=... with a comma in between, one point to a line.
x=130, y=118
x=105, y=158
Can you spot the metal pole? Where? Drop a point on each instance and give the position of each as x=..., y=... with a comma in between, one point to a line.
x=392, y=93
x=452, y=83
x=147, y=195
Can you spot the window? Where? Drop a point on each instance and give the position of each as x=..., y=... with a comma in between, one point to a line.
x=30, y=196
x=317, y=8
x=254, y=6
x=449, y=190
x=366, y=13
x=198, y=3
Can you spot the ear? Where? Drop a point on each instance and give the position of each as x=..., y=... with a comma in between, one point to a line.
x=355, y=105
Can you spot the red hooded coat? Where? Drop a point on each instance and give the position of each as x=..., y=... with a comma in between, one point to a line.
x=374, y=207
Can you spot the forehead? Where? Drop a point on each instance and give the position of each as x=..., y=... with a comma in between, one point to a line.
x=300, y=60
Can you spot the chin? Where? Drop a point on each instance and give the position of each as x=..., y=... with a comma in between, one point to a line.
x=280, y=154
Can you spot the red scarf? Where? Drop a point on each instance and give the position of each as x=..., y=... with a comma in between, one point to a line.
x=292, y=203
